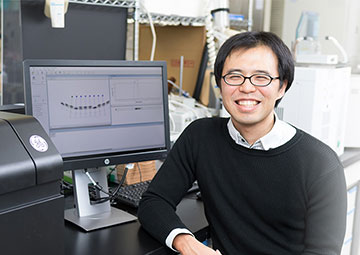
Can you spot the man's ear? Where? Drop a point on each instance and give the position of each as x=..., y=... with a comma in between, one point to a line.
x=282, y=89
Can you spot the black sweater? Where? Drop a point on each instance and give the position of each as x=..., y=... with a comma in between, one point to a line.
x=287, y=200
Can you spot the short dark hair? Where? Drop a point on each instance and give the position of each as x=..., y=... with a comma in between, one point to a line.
x=248, y=40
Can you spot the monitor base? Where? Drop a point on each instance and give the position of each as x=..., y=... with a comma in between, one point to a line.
x=91, y=216
x=97, y=221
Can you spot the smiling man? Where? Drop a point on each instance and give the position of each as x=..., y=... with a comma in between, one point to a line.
x=267, y=187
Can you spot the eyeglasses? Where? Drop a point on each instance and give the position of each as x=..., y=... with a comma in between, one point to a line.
x=237, y=79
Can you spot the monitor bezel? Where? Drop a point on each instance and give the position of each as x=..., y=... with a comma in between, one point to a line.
x=100, y=160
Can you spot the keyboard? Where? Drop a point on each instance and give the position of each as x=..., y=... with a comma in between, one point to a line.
x=131, y=194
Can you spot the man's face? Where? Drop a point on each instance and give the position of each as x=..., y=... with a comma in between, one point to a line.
x=248, y=105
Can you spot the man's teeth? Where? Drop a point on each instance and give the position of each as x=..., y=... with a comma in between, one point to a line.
x=248, y=103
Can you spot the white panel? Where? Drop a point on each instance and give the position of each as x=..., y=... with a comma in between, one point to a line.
x=317, y=103
x=352, y=134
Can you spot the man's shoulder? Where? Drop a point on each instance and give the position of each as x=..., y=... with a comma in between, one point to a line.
x=313, y=143
x=313, y=149
x=208, y=123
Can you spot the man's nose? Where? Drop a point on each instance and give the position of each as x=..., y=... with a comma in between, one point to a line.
x=247, y=86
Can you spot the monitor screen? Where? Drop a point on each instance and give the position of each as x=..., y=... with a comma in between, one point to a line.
x=100, y=113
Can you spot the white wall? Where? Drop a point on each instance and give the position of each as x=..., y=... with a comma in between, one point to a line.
x=352, y=38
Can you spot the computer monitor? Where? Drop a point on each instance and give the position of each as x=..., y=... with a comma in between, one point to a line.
x=99, y=113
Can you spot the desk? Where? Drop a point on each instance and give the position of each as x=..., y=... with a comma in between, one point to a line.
x=130, y=238
x=351, y=162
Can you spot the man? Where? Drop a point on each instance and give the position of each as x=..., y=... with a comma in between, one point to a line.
x=267, y=187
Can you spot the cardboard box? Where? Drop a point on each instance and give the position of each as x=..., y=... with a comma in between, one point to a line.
x=172, y=42
x=142, y=171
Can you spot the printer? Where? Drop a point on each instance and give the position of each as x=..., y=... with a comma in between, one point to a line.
x=31, y=204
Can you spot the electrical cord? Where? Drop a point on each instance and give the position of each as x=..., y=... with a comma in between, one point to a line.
x=210, y=39
x=65, y=187
x=345, y=58
x=153, y=47
x=96, y=185
x=112, y=169
x=138, y=165
x=111, y=195
x=122, y=180
x=94, y=198
x=184, y=93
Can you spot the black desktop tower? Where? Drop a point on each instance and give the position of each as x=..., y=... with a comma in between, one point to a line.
x=31, y=205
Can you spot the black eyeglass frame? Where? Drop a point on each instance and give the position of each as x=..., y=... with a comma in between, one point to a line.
x=249, y=77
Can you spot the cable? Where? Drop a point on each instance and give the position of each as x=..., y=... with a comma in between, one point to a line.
x=340, y=48
x=184, y=93
x=131, y=166
x=173, y=83
x=112, y=169
x=111, y=195
x=138, y=165
x=210, y=40
x=96, y=185
x=152, y=28
x=65, y=187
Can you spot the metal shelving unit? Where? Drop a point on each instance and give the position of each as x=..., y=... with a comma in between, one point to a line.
x=114, y=3
x=160, y=19
x=138, y=17
x=240, y=24
x=172, y=20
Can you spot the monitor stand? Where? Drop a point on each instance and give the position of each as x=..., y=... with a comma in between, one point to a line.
x=93, y=216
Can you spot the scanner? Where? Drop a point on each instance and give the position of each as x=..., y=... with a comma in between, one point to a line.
x=31, y=204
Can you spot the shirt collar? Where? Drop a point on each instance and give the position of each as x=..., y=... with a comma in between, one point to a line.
x=280, y=134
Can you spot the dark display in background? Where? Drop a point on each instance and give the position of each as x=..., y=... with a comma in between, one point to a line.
x=91, y=32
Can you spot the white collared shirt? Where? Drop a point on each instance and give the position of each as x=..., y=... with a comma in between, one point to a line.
x=280, y=134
